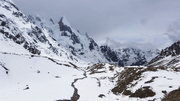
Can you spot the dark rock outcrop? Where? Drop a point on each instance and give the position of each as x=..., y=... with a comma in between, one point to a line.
x=172, y=51
x=64, y=27
x=110, y=54
x=125, y=56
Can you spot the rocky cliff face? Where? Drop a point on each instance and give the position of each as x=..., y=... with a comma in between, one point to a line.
x=169, y=57
x=128, y=56
x=18, y=28
x=80, y=45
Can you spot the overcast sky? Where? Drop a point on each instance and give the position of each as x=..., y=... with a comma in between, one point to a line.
x=147, y=23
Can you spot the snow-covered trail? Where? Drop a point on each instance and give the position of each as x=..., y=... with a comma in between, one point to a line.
x=75, y=95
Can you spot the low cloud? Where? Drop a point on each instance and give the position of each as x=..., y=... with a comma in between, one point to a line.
x=173, y=31
x=144, y=21
x=122, y=20
x=117, y=45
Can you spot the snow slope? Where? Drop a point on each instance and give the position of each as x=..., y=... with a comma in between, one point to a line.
x=169, y=57
x=46, y=80
x=17, y=31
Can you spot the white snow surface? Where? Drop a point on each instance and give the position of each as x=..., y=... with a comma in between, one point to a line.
x=53, y=82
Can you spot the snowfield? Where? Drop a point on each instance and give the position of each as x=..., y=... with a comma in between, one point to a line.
x=46, y=80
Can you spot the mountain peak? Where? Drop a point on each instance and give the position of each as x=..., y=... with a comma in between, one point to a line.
x=64, y=25
x=65, y=21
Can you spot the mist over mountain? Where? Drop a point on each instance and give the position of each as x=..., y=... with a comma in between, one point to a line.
x=85, y=48
x=47, y=60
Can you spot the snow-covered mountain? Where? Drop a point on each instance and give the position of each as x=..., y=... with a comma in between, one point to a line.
x=128, y=56
x=43, y=60
x=46, y=38
x=169, y=57
x=85, y=48
x=80, y=45
x=19, y=35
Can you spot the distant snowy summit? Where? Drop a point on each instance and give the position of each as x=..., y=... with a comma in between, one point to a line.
x=128, y=56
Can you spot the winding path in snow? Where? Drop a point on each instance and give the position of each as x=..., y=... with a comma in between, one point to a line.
x=75, y=96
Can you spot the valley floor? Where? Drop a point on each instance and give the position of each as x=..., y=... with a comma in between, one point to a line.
x=35, y=78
